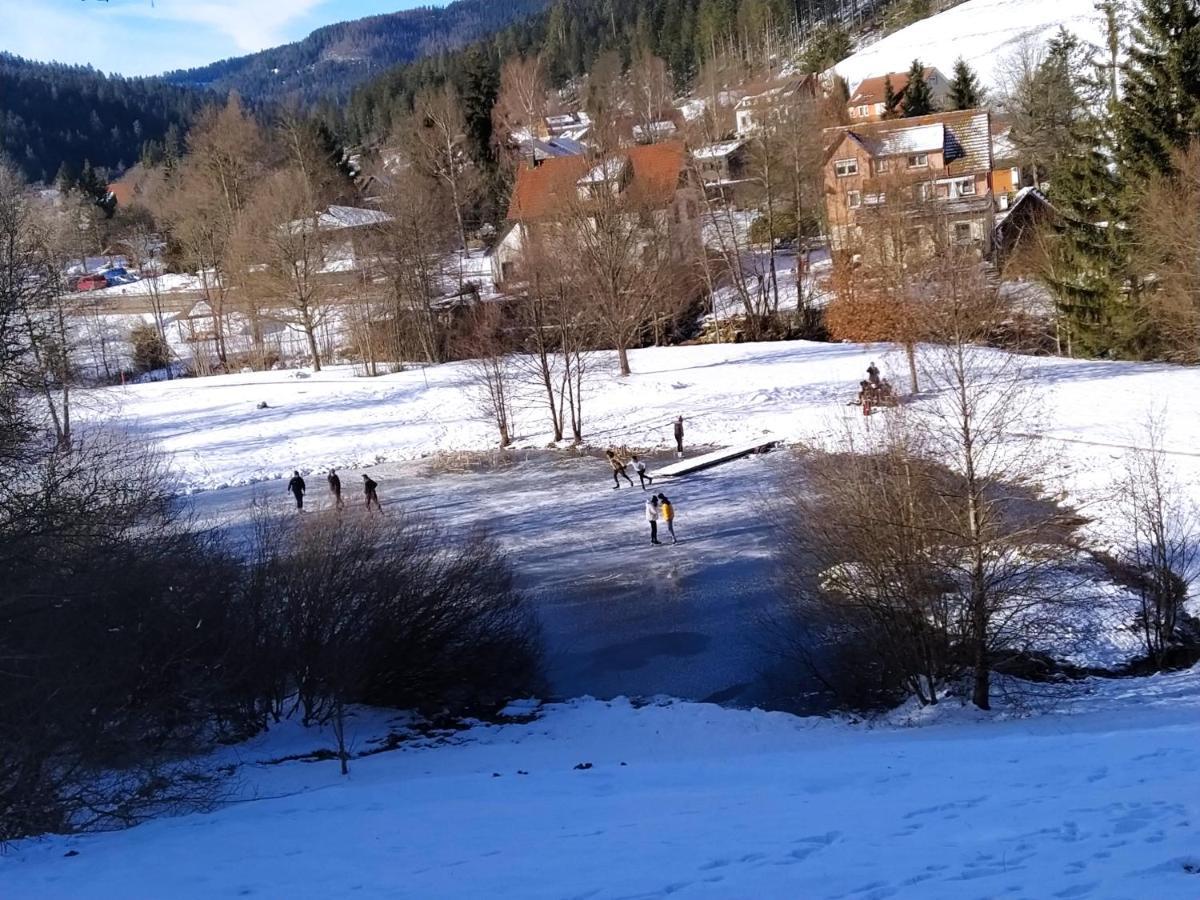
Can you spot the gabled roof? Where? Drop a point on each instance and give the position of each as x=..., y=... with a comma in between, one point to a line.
x=719, y=150
x=962, y=136
x=551, y=189
x=781, y=90
x=874, y=90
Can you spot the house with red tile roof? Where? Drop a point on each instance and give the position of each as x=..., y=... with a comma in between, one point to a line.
x=650, y=179
x=868, y=103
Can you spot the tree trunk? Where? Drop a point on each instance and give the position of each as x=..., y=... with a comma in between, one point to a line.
x=910, y=350
x=311, y=334
x=623, y=360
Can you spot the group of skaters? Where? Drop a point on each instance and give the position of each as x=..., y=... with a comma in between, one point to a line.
x=298, y=488
x=658, y=507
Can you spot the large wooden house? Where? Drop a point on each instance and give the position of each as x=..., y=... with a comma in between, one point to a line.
x=928, y=172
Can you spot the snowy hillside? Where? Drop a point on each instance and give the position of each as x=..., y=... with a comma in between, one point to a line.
x=609, y=800
x=727, y=393
x=984, y=32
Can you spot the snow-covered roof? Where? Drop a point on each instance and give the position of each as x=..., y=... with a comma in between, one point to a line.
x=337, y=218
x=659, y=129
x=922, y=139
x=609, y=170
x=718, y=150
x=1003, y=147
x=351, y=217
x=693, y=109
x=962, y=136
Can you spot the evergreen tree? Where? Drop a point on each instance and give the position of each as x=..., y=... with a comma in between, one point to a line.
x=965, y=92
x=889, y=98
x=1089, y=248
x=1091, y=266
x=477, y=88
x=918, y=96
x=1160, y=108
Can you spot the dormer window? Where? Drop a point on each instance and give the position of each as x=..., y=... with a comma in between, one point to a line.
x=844, y=168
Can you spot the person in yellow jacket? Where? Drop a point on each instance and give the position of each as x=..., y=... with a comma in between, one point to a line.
x=667, y=512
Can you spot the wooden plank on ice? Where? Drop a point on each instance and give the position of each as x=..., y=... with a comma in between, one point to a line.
x=716, y=458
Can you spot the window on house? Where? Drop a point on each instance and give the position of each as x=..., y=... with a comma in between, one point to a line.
x=844, y=168
x=965, y=187
x=922, y=192
x=854, y=199
x=943, y=191
x=918, y=160
x=881, y=166
x=962, y=232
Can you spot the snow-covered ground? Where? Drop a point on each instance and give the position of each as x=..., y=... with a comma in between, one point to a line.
x=985, y=33
x=612, y=800
x=727, y=394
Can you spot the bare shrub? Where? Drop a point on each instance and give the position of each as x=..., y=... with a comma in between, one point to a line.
x=111, y=642
x=1160, y=546
x=389, y=612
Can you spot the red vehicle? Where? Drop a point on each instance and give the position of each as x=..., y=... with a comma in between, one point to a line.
x=91, y=283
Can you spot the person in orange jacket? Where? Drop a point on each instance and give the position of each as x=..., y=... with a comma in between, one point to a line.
x=667, y=512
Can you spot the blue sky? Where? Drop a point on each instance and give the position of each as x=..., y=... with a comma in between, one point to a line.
x=145, y=37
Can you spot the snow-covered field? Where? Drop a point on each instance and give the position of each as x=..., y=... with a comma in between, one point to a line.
x=983, y=32
x=1095, y=794
x=612, y=800
x=727, y=394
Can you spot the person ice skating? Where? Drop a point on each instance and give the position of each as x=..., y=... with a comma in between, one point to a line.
x=873, y=374
x=296, y=486
x=369, y=490
x=679, y=435
x=335, y=488
x=640, y=468
x=668, y=515
x=652, y=518
x=618, y=469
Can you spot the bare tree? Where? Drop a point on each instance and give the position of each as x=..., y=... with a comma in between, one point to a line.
x=521, y=99
x=1160, y=545
x=412, y=245
x=436, y=140
x=207, y=196
x=1167, y=233
x=962, y=566
x=651, y=91
x=616, y=241
x=554, y=336
x=492, y=369
x=139, y=236
x=37, y=355
x=293, y=247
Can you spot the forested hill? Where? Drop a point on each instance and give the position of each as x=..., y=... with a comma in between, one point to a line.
x=332, y=60
x=53, y=115
x=570, y=34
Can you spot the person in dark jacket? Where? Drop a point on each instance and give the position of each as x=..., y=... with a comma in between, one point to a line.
x=618, y=469
x=873, y=374
x=679, y=435
x=335, y=488
x=369, y=490
x=296, y=486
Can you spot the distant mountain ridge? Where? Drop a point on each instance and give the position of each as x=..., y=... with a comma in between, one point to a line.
x=332, y=60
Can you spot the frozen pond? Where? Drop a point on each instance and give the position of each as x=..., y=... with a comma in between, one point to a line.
x=620, y=616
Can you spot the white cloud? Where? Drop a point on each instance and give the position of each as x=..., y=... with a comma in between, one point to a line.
x=250, y=24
